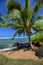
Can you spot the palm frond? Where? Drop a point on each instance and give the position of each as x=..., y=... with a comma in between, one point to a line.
x=18, y=32
x=38, y=18
x=28, y=9
x=15, y=34
x=17, y=26
x=24, y=17
x=2, y=18
x=4, y=25
x=38, y=25
x=14, y=15
x=37, y=6
x=24, y=33
x=41, y=2
x=13, y=4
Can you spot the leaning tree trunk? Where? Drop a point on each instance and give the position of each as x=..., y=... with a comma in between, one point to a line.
x=32, y=47
x=30, y=42
x=28, y=32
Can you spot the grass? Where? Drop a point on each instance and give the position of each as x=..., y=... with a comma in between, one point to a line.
x=7, y=61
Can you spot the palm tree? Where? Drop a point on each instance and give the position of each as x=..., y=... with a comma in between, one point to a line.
x=22, y=17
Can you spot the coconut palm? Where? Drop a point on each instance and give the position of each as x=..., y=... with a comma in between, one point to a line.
x=22, y=17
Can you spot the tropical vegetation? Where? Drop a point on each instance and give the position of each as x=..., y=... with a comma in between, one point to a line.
x=23, y=17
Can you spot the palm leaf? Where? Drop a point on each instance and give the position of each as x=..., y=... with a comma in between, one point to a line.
x=28, y=9
x=14, y=15
x=38, y=25
x=24, y=33
x=5, y=25
x=41, y=2
x=38, y=18
x=37, y=6
x=17, y=26
x=2, y=18
x=15, y=34
x=18, y=32
x=13, y=4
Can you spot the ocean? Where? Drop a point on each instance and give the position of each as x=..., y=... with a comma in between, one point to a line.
x=9, y=42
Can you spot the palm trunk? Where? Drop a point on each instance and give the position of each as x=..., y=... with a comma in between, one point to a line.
x=30, y=42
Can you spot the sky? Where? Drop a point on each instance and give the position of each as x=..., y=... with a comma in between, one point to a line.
x=8, y=32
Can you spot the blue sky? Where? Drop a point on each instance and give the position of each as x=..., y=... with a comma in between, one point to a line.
x=8, y=32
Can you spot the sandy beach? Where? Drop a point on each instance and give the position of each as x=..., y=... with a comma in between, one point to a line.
x=20, y=54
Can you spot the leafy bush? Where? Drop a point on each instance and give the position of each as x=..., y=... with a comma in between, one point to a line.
x=37, y=37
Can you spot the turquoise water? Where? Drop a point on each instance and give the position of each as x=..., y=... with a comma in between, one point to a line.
x=9, y=42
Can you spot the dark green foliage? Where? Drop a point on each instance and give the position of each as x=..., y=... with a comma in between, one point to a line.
x=38, y=25
x=13, y=4
x=37, y=37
